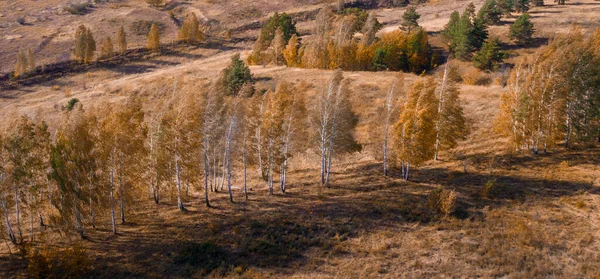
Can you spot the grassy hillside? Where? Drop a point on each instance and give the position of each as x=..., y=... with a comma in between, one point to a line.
x=518, y=215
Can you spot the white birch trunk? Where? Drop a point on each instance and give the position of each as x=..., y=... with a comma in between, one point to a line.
x=178, y=180
x=9, y=229
x=112, y=199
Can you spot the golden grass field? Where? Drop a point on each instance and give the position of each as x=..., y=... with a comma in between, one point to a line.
x=544, y=221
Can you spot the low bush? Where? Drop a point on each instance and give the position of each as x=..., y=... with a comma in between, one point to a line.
x=443, y=201
x=476, y=77
x=78, y=9
x=53, y=262
x=491, y=189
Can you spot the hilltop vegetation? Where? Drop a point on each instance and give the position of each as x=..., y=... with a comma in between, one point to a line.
x=354, y=139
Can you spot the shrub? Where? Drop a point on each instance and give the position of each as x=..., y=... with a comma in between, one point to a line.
x=52, y=262
x=71, y=104
x=21, y=20
x=443, y=201
x=491, y=189
x=155, y=3
x=78, y=9
x=476, y=77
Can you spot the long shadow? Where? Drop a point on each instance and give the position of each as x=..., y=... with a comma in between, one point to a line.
x=57, y=70
x=534, y=43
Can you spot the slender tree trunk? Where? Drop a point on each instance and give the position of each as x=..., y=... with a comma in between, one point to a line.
x=270, y=170
x=244, y=159
x=18, y=209
x=568, y=125
x=155, y=190
x=259, y=152
x=31, y=224
x=223, y=169
x=91, y=201
x=329, y=161
x=177, y=177
x=78, y=222
x=9, y=229
x=206, y=172
x=229, y=173
x=41, y=219
x=385, y=144
x=121, y=198
x=323, y=157
x=214, y=180
x=112, y=201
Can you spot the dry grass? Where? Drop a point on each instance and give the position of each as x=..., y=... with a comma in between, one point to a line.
x=506, y=215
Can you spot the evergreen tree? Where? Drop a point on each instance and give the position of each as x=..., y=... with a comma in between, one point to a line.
x=122, y=40
x=267, y=34
x=490, y=13
x=154, y=38
x=537, y=3
x=410, y=18
x=506, y=6
x=522, y=30
x=459, y=32
x=479, y=33
x=490, y=55
x=521, y=6
x=465, y=33
x=235, y=76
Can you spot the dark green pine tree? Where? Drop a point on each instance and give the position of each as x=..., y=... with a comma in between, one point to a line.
x=409, y=19
x=490, y=13
x=236, y=76
x=537, y=3
x=490, y=56
x=522, y=30
x=506, y=6
x=521, y=6
x=458, y=31
x=479, y=33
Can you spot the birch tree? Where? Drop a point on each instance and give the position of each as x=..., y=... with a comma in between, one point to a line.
x=391, y=107
x=5, y=192
x=333, y=123
x=182, y=136
x=72, y=161
x=450, y=125
x=415, y=130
